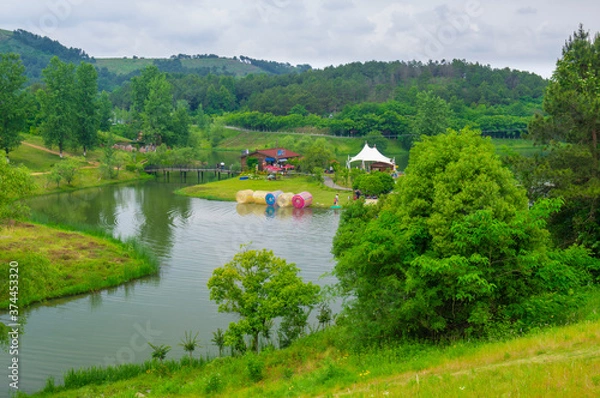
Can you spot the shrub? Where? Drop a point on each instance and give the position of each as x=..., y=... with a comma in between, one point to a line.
x=255, y=367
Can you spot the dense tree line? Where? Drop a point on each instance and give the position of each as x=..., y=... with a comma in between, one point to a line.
x=329, y=91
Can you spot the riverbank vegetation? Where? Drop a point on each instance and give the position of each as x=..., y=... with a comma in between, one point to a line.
x=57, y=262
x=550, y=362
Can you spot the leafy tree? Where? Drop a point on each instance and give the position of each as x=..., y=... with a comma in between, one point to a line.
x=140, y=88
x=181, y=124
x=109, y=160
x=57, y=104
x=316, y=155
x=120, y=159
x=86, y=105
x=433, y=114
x=375, y=138
x=572, y=127
x=12, y=101
x=259, y=287
x=157, y=111
x=54, y=177
x=298, y=109
x=105, y=112
x=15, y=184
x=215, y=133
x=374, y=184
x=66, y=170
x=455, y=252
x=251, y=163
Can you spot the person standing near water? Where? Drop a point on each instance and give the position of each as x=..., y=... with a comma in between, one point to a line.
x=336, y=200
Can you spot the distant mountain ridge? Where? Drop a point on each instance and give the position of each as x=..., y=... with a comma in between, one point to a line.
x=36, y=51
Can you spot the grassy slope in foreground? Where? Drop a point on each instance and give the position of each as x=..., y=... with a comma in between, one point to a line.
x=561, y=361
x=54, y=262
x=227, y=189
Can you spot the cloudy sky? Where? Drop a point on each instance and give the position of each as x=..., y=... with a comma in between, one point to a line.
x=519, y=34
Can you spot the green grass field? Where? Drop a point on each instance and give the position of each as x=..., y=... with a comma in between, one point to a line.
x=32, y=158
x=55, y=262
x=227, y=189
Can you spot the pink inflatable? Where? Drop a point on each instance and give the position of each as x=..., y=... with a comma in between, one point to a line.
x=302, y=200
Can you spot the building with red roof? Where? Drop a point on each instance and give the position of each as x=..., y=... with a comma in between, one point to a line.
x=267, y=157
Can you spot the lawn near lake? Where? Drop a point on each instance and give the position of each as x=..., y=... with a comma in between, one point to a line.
x=226, y=189
x=55, y=262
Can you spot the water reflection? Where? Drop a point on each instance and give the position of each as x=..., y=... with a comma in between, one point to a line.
x=255, y=210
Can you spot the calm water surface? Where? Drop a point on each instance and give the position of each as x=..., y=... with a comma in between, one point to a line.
x=191, y=237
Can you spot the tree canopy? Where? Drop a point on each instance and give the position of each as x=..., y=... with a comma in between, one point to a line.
x=571, y=128
x=15, y=184
x=12, y=101
x=456, y=251
x=58, y=104
x=259, y=287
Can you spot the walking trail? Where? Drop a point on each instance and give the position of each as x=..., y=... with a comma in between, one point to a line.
x=329, y=183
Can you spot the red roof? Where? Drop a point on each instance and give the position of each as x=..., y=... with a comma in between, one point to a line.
x=277, y=153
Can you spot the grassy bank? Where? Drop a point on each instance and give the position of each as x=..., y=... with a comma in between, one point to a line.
x=85, y=178
x=227, y=189
x=562, y=361
x=56, y=262
x=40, y=160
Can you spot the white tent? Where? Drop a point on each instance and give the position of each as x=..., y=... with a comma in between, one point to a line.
x=372, y=155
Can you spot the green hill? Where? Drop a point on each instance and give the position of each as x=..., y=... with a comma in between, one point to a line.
x=36, y=51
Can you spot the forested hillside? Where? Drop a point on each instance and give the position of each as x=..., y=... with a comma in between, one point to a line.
x=36, y=52
x=356, y=99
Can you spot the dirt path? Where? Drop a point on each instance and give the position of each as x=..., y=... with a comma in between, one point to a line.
x=329, y=183
x=41, y=148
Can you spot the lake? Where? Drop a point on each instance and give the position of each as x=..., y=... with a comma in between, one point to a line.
x=191, y=237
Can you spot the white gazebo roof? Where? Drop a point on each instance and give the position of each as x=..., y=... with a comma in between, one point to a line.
x=368, y=154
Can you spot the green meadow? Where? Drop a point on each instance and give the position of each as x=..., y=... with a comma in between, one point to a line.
x=57, y=262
